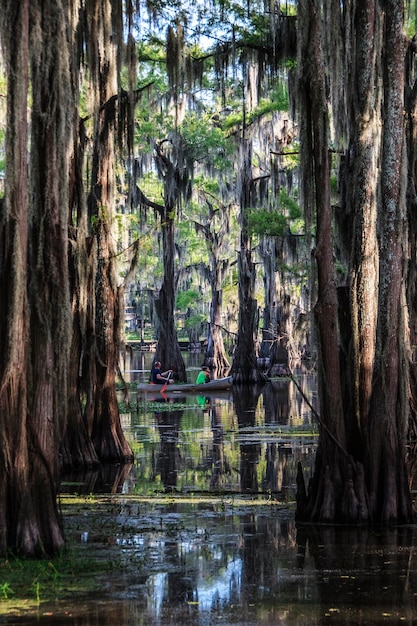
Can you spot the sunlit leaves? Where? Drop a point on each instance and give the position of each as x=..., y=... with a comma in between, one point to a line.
x=187, y=299
x=276, y=223
x=206, y=140
x=263, y=222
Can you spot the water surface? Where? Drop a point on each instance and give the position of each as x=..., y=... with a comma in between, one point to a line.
x=201, y=529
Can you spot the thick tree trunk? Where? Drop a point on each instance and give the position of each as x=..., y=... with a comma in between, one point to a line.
x=216, y=353
x=51, y=144
x=216, y=238
x=168, y=349
x=330, y=475
x=77, y=449
x=365, y=272
x=270, y=337
x=411, y=130
x=102, y=406
x=245, y=368
x=107, y=435
x=14, y=322
x=389, y=494
x=364, y=478
x=274, y=344
x=35, y=304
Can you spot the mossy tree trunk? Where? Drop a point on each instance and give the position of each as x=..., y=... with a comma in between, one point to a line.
x=385, y=429
x=216, y=354
x=106, y=317
x=245, y=367
x=34, y=304
x=215, y=239
x=360, y=472
x=77, y=450
x=411, y=133
x=168, y=349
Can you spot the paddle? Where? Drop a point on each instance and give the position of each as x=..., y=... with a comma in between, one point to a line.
x=166, y=382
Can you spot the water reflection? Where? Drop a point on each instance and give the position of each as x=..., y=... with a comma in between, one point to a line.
x=246, y=564
x=105, y=479
x=168, y=460
x=228, y=550
x=248, y=440
x=245, y=399
x=208, y=559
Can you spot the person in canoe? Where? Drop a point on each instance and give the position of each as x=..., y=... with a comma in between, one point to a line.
x=203, y=376
x=158, y=377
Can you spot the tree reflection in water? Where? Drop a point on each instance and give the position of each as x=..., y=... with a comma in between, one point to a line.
x=168, y=423
x=245, y=399
x=247, y=564
x=235, y=556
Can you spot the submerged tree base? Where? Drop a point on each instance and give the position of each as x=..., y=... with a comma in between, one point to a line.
x=339, y=494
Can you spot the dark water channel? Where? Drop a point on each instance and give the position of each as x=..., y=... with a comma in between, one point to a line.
x=201, y=528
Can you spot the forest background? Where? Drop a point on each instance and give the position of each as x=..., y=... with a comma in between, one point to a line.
x=244, y=171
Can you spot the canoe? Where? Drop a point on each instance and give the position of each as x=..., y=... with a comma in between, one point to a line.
x=213, y=385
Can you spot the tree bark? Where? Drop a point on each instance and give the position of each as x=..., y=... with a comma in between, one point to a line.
x=216, y=353
x=245, y=368
x=360, y=478
x=168, y=350
x=215, y=356
x=389, y=495
x=106, y=318
x=411, y=135
x=35, y=304
x=14, y=321
x=327, y=486
x=365, y=271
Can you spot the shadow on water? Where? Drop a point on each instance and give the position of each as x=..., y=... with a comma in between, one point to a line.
x=240, y=563
x=200, y=529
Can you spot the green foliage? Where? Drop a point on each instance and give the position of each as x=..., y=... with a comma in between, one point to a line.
x=289, y=205
x=263, y=222
x=207, y=185
x=194, y=322
x=410, y=19
x=334, y=184
x=276, y=223
x=253, y=28
x=278, y=101
x=152, y=187
x=233, y=119
x=6, y=591
x=186, y=299
x=205, y=139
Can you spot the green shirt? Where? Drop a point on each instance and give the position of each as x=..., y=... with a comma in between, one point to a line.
x=201, y=378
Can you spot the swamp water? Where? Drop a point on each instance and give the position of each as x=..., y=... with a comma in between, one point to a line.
x=200, y=529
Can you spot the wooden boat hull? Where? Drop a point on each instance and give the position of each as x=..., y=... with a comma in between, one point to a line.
x=214, y=385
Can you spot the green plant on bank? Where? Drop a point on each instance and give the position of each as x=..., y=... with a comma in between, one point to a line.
x=37, y=589
x=30, y=582
x=6, y=591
